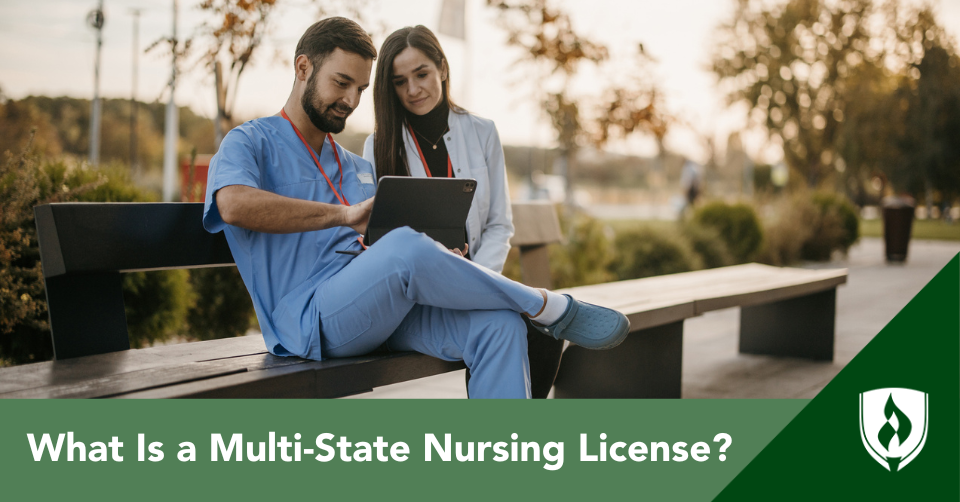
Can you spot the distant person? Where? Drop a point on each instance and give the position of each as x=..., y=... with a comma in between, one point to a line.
x=288, y=197
x=421, y=132
x=945, y=211
x=690, y=183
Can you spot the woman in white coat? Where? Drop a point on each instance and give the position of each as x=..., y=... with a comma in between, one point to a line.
x=421, y=132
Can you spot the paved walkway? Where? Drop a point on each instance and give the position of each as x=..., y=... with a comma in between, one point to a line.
x=712, y=367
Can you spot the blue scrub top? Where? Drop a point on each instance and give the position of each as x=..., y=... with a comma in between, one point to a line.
x=283, y=272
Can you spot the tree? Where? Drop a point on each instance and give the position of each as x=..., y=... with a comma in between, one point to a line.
x=929, y=98
x=836, y=83
x=554, y=52
x=793, y=64
x=235, y=30
x=22, y=123
x=231, y=34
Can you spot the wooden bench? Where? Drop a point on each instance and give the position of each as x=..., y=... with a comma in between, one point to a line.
x=85, y=247
x=783, y=312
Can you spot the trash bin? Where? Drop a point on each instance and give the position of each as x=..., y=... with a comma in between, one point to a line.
x=897, y=225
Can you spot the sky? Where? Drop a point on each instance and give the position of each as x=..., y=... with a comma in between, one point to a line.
x=47, y=48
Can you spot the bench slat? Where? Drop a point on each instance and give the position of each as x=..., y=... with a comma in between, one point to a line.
x=707, y=290
x=136, y=380
x=771, y=292
x=312, y=379
x=59, y=372
x=720, y=281
x=257, y=375
x=661, y=316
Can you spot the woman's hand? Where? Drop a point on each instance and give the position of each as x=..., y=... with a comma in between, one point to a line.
x=456, y=251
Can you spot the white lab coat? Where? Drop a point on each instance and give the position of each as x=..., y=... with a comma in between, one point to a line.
x=475, y=151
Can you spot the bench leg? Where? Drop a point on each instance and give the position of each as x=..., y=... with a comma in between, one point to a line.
x=646, y=365
x=86, y=314
x=798, y=327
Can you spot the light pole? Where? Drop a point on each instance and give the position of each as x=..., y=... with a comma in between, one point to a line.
x=95, y=19
x=172, y=132
x=134, y=158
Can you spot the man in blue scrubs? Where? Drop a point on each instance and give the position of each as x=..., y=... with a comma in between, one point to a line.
x=288, y=197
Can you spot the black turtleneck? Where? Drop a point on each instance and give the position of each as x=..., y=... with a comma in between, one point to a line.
x=430, y=129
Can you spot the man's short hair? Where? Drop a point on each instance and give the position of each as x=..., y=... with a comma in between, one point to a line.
x=334, y=32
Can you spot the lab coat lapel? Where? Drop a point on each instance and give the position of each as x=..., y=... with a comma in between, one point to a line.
x=456, y=145
x=460, y=126
x=417, y=169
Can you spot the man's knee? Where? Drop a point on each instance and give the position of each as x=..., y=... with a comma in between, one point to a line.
x=399, y=234
x=505, y=330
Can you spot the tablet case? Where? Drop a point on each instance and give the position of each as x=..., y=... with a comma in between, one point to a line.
x=437, y=207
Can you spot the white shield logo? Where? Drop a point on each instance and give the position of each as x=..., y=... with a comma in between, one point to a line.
x=893, y=425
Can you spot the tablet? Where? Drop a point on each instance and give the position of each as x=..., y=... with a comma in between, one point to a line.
x=437, y=207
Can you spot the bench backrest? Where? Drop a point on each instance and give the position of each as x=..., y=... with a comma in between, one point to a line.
x=84, y=247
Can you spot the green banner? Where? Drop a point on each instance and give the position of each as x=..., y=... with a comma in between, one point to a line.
x=559, y=449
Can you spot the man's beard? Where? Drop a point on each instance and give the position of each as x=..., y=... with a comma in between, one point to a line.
x=324, y=120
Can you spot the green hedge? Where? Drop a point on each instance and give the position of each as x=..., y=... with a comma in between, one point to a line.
x=809, y=226
x=737, y=225
x=595, y=253
x=585, y=256
x=222, y=307
x=836, y=226
x=708, y=244
x=647, y=252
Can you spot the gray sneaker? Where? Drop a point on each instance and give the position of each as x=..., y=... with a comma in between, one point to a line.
x=589, y=326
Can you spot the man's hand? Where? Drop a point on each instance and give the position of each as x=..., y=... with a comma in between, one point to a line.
x=357, y=216
x=458, y=252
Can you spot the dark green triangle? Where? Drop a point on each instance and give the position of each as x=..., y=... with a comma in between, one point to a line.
x=820, y=456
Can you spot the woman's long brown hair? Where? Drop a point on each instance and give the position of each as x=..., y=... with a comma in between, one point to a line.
x=388, y=150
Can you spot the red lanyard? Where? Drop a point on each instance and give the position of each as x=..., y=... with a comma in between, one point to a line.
x=340, y=197
x=333, y=145
x=424, y=160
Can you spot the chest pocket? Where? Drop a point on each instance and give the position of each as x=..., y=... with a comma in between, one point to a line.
x=366, y=182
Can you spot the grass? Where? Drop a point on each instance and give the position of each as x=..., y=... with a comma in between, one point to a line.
x=922, y=229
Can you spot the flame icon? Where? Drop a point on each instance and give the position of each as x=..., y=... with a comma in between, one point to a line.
x=897, y=428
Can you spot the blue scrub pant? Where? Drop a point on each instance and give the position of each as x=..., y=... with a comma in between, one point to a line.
x=408, y=292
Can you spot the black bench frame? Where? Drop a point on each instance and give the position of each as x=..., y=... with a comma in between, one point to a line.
x=85, y=247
